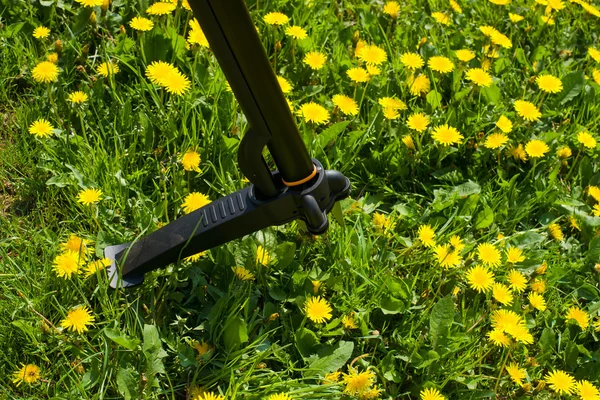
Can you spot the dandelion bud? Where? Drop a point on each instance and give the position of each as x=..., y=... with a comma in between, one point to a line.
x=85, y=49
x=273, y=317
x=93, y=17
x=564, y=152
x=541, y=270
x=105, y=5
x=261, y=365
x=540, y=386
x=526, y=387
x=356, y=36
x=421, y=42
x=58, y=45
x=52, y=57
x=408, y=142
x=597, y=268
x=45, y=327
x=278, y=46
x=122, y=29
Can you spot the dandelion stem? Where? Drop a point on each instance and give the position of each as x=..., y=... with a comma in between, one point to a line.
x=573, y=166
x=501, y=372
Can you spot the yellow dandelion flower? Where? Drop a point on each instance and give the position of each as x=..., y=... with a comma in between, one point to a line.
x=586, y=390
x=78, y=319
x=358, y=74
x=489, y=255
x=514, y=18
x=548, y=83
x=383, y=223
x=537, y=301
x=538, y=285
x=52, y=57
x=500, y=2
x=195, y=257
x=194, y=201
x=514, y=255
x=465, y=55
x=564, y=152
x=556, y=232
x=158, y=71
x=191, y=161
x=446, y=257
x=276, y=18
x=41, y=32
x=595, y=54
x=89, y=196
x=96, y=266
x=210, y=396
x=263, y=256
x=107, y=68
x=45, y=72
x=456, y=242
x=392, y=9
x=517, y=281
x=296, y=32
x=349, y=322
x=441, y=18
x=412, y=60
x=586, y=140
x=504, y=124
x=332, y=377
x=440, y=64
x=77, y=245
x=391, y=102
x=67, y=264
x=480, y=278
x=371, y=54
x=502, y=294
x=496, y=140
x=279, y=396
x=479, y=77
x=581, y=317
x=317, y=309
x=41, y=128
x=90, y=3
x=419, y=85
x=594, y=191
x=536, y=148
x=78, y=97
x=431, y=394
x=161, y=8
x=498, y=338
x=242, y=273
x=313, y=112
x=527, y=110
x=446, y=135
x=315, y=60
x=373, y=70
x=358, y=383
x=29, y=373
x=426, y=235
x=408, y=142
x=516, y=374
x=285, y=85
x=141, y=24
x=560, y=381
x=573, y=223
x=176, y=83
x=346, y=104
x=518, y=152
x=196, y=34
x=455, y=6
x=418, y=121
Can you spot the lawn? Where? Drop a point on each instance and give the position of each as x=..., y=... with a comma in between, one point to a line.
x=465, y=264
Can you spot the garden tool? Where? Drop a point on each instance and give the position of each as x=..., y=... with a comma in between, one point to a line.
x=300, y=189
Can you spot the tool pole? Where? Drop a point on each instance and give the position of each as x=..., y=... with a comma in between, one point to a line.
x=235, y=43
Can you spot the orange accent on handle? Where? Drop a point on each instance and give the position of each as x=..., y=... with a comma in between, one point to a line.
x=301, y=181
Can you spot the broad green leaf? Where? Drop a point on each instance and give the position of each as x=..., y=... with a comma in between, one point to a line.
x=82, y=19
x=434, y=98
x=484, y=218
x=235, y=333
x=391, y=305
x=285, y=254
x=442, y=315
x=463, y=93
x=491, y=94
x=306, y=342
x=547, y=340
x=331, y=133
x=593, y=253
x=332, y=358
x=572, y=86
x=121, y=338
x=467, y=189
x=127, y=384
x=186, y=355
x=154, y=354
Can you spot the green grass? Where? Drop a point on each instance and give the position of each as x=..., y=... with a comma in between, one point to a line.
x=418, y=325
